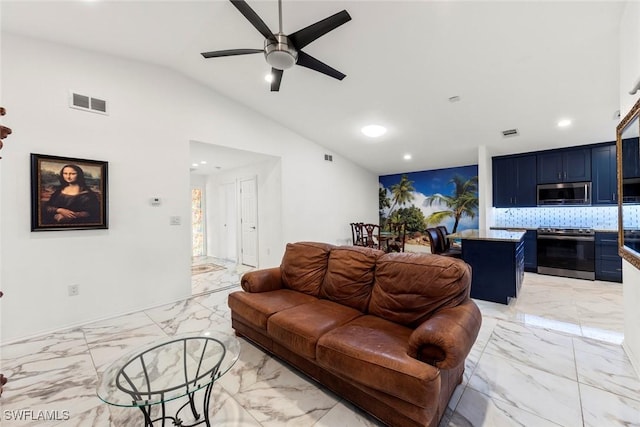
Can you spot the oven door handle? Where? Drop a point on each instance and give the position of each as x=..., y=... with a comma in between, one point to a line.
x=580, y=238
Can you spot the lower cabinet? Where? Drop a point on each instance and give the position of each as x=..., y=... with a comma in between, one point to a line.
x=608, y=262
x=497, y=268
x=531, y=251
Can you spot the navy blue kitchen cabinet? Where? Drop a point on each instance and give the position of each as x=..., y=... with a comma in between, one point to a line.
x=631, y=158
x=497, y=268
x=604, y=185
x=514, y=181
x=564, y=166
x=531, y=251
x=608, y=262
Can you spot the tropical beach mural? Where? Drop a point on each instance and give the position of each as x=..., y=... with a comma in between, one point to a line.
x=425, y=199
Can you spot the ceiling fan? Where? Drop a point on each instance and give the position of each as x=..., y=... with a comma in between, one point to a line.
x=283, y=51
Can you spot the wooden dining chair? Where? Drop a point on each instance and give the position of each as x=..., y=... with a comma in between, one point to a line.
x=396, y=243
x=371, y=235
x=357, y=234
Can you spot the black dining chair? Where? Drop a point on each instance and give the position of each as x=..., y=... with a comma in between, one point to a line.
x=436, y=240
x=446, y=243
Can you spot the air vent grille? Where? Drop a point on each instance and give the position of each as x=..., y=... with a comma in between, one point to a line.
x=328, y=157
x=510, y=132
x=87, y=103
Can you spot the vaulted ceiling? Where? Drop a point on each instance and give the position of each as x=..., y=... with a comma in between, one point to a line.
x=512, y=64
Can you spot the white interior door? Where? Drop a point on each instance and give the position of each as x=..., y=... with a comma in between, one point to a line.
x=249, y=222
x=229, y=231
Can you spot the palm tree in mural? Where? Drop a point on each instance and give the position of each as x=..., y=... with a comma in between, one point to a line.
x=401, y=193
x=463, y=202
x=383, y=203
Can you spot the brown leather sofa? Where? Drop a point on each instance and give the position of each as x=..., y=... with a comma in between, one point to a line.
x=388, y=332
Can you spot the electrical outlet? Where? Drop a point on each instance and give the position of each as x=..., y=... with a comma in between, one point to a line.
x=74, y=290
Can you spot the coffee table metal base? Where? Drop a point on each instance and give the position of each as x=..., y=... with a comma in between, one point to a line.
x=176, y=420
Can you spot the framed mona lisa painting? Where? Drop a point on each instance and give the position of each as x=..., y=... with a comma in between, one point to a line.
x=68, y=193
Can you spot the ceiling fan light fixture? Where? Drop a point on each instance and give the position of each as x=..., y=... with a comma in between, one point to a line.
x=280, y=53
x=280, y=59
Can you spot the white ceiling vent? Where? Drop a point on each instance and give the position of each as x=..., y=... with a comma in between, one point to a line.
x=510, y=132
x=87, y=103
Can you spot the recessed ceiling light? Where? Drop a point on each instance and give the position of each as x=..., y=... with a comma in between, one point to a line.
x=195, y=165
x=269, y=78
x=564, y=123
x=374, y=131
x=407, y=156
x=203, y=162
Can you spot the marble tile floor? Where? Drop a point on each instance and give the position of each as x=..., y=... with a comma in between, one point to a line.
x=551, y=358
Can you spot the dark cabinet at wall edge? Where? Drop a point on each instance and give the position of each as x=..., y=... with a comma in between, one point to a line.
x=515, y=177
x=604, y=185
x=608, y=262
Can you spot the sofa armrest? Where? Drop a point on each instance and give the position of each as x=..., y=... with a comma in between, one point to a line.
x=445, y=339
x=265, y=280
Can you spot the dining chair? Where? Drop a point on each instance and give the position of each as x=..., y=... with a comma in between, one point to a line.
x=396, y=243
x=357, y=234
x=371, y=235
x=436, y=239
x=446, y=243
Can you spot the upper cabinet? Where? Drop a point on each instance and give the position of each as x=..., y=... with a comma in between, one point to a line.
x=630, y=158
x=603, y=173
x=564, y=166
x=514, y=181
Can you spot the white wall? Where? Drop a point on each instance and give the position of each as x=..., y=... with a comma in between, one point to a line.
x=141, y=260
x=629, y=74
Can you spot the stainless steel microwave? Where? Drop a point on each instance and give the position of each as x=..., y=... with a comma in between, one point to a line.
x=564, y=194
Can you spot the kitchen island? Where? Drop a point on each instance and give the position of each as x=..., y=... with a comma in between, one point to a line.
x=496, y=258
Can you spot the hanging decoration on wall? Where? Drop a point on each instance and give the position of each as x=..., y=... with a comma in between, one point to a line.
x=68, y=193
x=4, y=131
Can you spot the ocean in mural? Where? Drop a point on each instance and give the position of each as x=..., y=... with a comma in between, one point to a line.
x=429, y=198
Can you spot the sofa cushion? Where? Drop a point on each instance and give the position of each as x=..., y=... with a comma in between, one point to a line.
x=256, y=308
x=373, y=352
x=409, y=288
x=299, y=328
x=349, y=277
x=304, y=265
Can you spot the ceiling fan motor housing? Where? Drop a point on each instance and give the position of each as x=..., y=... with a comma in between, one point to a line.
x=280, y=53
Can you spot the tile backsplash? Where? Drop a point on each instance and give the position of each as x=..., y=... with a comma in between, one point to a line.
x=597, y=217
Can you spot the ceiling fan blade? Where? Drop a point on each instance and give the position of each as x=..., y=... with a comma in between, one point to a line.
x=253, y=17
x=277, y=78
x=303, y=37
x=312, y=63
x=230, y=52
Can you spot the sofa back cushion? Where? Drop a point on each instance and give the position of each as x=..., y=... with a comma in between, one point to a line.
x=350, y=274
x=304, y=265
x=408, y=288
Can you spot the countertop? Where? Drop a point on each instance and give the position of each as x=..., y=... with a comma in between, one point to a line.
x=490, y=234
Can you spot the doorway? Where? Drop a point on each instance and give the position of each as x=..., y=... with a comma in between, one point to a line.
x=242, y=192
x=249, y=222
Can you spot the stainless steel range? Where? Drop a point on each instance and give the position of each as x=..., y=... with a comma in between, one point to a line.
x=568, y=252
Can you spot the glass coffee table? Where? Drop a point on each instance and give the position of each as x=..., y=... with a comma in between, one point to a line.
x=174, y=367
